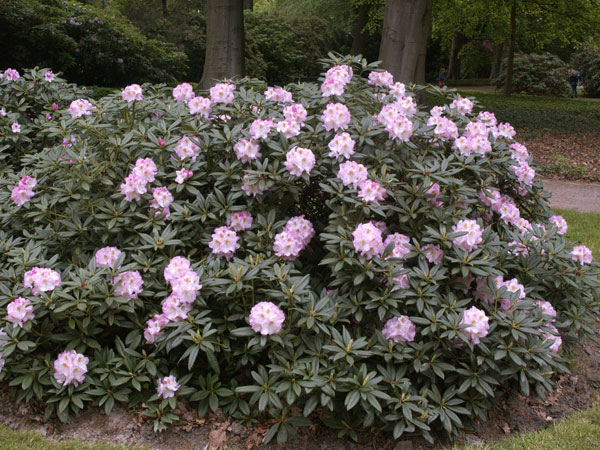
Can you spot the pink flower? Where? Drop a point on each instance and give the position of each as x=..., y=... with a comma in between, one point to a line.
x=177, y=267
x=239, y=220
x=519, y=152
x=399, y=127
x=554, y=337
x=513, y=287
x=525, y=174
x=352, y=173
x=15, y=127
x=40, y=279
x=161, y=142
x=222, y=93
x=23, y=191
x=224, y=242
x=372, y=192
x=54, y=106
x=183, y=175
x=383, y=79
x=402, y=245
x=287, y=246
x=301, y=227
x=399, y=329
x=11, y=74
x=477, y=324
x=331, y=87
x=48, y=117
x=107, y=256
x=488, y=118
x=70, y=367
x=433, y=253
x=295, y=113
x=187, y=286
x=581, y=254
x=401, y=282
x=279, y=95
x=505, y=130
x=80, y=108
x=288, y=128
x=266, y=318
x=247, y=150
x=367, y=240
x=433, y=194
x=200, y=105
x=183, y=92
x=135, y=183
x=405, y=106
x=154, y=327
x=128, y=284
x=472, y=237
x=341, y=145
x=162, y=197
x=560, y=223
x=398, y=89
x=49, y=76
x=252, y=186
x=260, y=129
x=132, y=93
x=167, y=387
x=547, y=309
x=336, y=117
x=462, y=105
x=186, y=148
x=299, y=160
x=173, y=309
x=19, y=311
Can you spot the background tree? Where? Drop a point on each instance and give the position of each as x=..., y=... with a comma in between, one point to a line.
x=224, y=41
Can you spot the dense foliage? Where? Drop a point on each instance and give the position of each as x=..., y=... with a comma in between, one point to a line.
x=90, y=45
x=587, y=62
x=271, y=252
x=537, y=74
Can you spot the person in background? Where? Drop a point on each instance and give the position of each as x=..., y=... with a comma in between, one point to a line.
x=442, y=77
x=573, y=81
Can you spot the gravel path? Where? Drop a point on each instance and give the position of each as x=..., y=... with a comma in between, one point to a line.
x=583, y=197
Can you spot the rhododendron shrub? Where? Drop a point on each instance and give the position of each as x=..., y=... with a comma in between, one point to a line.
x=383, y=266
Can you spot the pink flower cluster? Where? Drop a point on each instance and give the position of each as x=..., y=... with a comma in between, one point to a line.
x=186, y=148
x=432, y=193
x=488, y=118
x=251, y=186
x=371, y=192
x=294, y=237
x=352, y=173
x=222, y=93
x=107, y=256
x=224, y=242
x=266, y=318
x=433, y=253
x=482, y=291
x=581, y=254
x=79, y=108
x=401, y=242
x=368, y=240
x=19, y=311
x=128, y=284
x=547, y=309
x=471, y=240
x=239, y=220
x=11, y=74
x=161, y=200
x=132, y=93
x=406, y=106
x=506, y=207
x=49, y=76
x=167, y=387
x=474, y=140
x=260, y=128
x=70, y=367
x=299, y=160
x=525, y=174
x=560, y=223
x=15, y=128
x=398, y=89
x=336, y=79
x=183, y=92
x=23, y=191
x=341, y=145
x=200, y=105
x=383, y=79
x=477, y=324
x=554, y=337
x=444, y=129
x=519, y=152
x=135, y=183
x=295, y=113
x=279, y=95
x=462, y=105
x=154, y=327
x=247, y=150
x=183, y=175
x=396, y=123
x=336, y=117
x=399, y=329
x=40, y=279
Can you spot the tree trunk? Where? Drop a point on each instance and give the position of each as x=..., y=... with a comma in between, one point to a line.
x=406, y=28
x=511, y=49
x=249, y=4
x=165, y=11
x=359, y=38
x=453, y=65
x=224, y=41
x=497, y=61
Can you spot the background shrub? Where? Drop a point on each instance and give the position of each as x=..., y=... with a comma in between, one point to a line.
x=331, y=354
x=587, y=62
x=537, y=74
x=90, y=45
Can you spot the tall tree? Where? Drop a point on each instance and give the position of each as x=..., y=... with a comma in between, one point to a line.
x=406, y=29
x=224, y=41
x=359, y=36
x=511, y=49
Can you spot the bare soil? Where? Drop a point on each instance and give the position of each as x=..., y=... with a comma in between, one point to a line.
x=513, y=414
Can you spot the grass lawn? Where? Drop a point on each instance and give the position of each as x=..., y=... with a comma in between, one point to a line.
x=580, y=431
x=560, y=114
